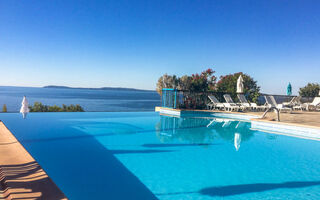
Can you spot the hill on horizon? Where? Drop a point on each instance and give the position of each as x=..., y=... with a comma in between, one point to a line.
x=101, y=88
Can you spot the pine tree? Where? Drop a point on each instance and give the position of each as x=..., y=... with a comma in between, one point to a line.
x=4, y=108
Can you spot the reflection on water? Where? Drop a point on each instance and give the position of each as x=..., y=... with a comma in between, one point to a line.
x=237, y=141
x=203, y=130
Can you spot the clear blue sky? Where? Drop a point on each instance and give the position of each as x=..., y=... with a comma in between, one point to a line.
x=132, y=43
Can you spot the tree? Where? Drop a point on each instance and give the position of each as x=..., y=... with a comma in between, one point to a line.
x=39, y=107
x=195, y=87
x=4, y=108
x=79, y=108
x=54, y=108
x=185, y=82
x=204, y=82
x=167, y=81
x=310, y=90
x=228, y=85
x=195, y=83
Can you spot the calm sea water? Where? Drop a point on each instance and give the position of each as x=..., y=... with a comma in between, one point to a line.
x=90, y=100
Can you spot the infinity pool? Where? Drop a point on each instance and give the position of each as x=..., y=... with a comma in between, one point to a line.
x=141, y=155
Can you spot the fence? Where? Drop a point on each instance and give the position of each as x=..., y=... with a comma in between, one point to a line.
x=173, y=98
x=169, y=98
x=282, y=98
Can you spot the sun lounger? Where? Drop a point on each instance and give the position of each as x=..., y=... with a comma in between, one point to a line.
x=214, y=104
x=315, y=104
x=294, y=103
x=230, y=103
x=259, y=108
x=231, y=108
x=253, y=106
x=273, y=104
x=297, y=105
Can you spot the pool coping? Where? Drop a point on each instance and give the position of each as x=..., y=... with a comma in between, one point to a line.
x=283, y=128
x=257, y=123
x=21, y=177
x=206, y=113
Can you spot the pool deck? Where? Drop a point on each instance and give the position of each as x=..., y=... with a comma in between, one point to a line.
x=21, y=177
x=302, y=118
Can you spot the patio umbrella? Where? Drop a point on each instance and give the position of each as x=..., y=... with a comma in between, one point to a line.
x=24, y=107
x=240, y=84
x=237, y=141
x=289, y=89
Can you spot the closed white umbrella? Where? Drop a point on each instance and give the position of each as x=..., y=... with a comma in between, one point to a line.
x=24, y=107
x=240, y=84
x=237, y=141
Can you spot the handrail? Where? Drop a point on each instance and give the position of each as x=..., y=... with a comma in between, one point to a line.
x=265, y=113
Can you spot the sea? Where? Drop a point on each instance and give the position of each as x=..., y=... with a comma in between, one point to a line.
x=92, y=100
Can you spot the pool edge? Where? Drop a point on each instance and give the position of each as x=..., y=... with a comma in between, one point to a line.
x=265, y=125
x=205, y=113
x=289, y=129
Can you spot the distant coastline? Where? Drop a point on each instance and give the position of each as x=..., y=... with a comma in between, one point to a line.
x=102, y=88
x=91, y=100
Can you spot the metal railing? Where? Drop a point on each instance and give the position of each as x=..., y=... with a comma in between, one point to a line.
x=169, y=98
x=173, y=98
x=282, y=98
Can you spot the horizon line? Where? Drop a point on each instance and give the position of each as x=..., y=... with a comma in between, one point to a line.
x=75, y=87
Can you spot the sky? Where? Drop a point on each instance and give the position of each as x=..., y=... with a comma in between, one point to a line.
x=127, y=43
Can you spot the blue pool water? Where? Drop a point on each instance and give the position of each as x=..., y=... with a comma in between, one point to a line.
x=141, y=155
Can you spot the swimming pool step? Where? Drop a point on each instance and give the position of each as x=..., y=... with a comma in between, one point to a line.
x=205, y=113
x=302, y=131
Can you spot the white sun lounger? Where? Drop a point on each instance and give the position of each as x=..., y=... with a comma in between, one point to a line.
x=231, y=105
x=231, y=108
x=295, y=103
x=214, y=104
x=253, y=106
x=314, y=104
x=273, y=104
x=292, y=102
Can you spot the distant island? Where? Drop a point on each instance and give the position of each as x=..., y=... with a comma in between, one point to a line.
x=102, y=88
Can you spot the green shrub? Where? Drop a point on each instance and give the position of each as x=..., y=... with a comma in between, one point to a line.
x=203, y=82
x=39, y=107
x=227, y=85
x=197, y=87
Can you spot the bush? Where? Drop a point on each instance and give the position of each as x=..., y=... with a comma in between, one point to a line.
x=227, y=84
x=4, y=108
x=39, y=107
x=310, y=90
x=204, y=82
x=166, y=81
x=197, y=87
x=195, y=83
